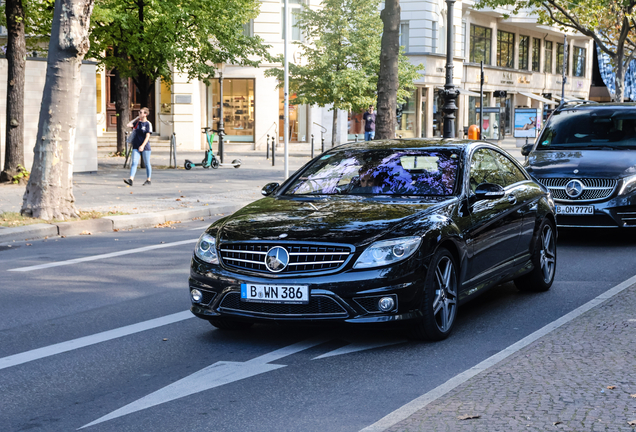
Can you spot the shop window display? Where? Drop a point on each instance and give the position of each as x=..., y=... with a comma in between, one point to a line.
x=297, y=119
x=238, y=108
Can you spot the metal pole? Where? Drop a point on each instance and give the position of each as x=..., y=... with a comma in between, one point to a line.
x=356, y=137
x=273, y=151
x=267, y=147
x=450, y=92
x=563, y=72
x=221, y=126
x=322, y=138
x=481, y=100
x=312, y=146
x=286, y=112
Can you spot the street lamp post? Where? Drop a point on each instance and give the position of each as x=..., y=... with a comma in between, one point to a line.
x=450, y=92
x=221, y=130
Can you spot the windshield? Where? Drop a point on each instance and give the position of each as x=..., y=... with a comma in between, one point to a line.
x=380, y=172
x=590, y=129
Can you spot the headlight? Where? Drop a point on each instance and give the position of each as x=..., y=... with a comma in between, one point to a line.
x=388, y=252
x=629, y=185
x=206, y=249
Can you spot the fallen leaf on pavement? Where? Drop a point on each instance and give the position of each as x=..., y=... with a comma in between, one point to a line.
x=166, y=224
x=28, y=244
x=63, y=236
x=634, y=395
x=86, y=233
x=178, y=199
x=632, y=422
x=469, y=416
x=611, y=387
x=165, y=339
x=557, y=423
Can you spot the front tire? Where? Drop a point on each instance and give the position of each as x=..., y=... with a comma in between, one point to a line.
x=225, y=324
x=439, y=303
x=544, y=256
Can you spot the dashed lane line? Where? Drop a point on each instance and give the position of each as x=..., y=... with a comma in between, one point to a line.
x=100, y=256
x=51, y=350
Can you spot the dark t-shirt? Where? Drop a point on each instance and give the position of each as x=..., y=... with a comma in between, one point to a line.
x=141, y=129
x=369, y=121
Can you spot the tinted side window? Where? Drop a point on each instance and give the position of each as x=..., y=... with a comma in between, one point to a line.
x=484, y=169
x=509, y=171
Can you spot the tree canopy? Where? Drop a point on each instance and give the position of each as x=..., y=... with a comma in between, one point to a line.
x=340, y=57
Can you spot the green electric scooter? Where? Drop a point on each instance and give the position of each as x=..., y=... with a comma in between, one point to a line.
x=210, y=160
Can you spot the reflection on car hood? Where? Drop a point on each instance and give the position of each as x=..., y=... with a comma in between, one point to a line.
x=349, y=220
x=589, y=163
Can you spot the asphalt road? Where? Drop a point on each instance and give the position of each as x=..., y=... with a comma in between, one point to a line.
x=106, y=342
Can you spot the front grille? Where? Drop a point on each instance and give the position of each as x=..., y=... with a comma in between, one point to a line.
x=593, y=188
x=318, y=306
x=303, y=258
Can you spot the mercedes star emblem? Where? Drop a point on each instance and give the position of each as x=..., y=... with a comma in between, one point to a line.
x=574, y=188
x=276, y=259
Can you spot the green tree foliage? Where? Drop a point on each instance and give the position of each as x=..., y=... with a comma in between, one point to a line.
x=340, y=57
x=38, y=15
x=611, y=23
x=147, y=38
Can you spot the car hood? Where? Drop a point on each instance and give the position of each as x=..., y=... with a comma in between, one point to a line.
x=333, y=219
x=589, y=163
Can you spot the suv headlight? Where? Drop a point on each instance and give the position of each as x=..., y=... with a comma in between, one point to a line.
x=206, y=249
x=388, y=252
x=629, y=185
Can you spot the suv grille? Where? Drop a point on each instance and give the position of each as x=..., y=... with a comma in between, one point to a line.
x=303, y=258
x=593, y=188
x=319, y=305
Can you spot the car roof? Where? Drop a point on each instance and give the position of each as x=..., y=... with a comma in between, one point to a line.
x=412, y=143
x=593, y=106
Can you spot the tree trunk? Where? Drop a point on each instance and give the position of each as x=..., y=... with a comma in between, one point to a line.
x=388, y=77
x=122, y=107
x=49, y=193
x=334, y=128
x=16, y=63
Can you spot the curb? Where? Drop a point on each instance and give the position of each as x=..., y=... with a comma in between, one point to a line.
x=110, y=223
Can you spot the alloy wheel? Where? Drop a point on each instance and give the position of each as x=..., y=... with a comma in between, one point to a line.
x=547, y=254
x=445, y=303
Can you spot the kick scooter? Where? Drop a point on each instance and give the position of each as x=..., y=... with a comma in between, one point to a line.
x=210, y=160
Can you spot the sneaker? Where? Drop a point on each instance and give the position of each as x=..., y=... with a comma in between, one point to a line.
x=128, y=182
x=147, y=182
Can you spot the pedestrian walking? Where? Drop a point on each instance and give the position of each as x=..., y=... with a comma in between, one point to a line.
x=141, y=146
x=369, y=124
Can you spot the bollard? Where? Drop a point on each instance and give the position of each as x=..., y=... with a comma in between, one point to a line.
x=323, y=144
x=473, y=132
x=273, y=151
x=267, y=147
x=312, y=146
x=356, y=137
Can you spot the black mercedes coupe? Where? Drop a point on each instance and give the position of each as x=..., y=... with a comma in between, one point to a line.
x=388, y=231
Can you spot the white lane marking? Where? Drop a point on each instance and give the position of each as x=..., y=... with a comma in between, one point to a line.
x=422, y=401
x=200, y=228
x=359, y=346
x=61, y=347
x=215, y=375
x=101, y=256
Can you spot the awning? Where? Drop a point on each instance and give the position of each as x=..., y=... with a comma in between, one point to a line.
x=464, y=91
x=539, y=98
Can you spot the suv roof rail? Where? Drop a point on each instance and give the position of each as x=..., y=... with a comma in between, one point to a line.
x=576, y=101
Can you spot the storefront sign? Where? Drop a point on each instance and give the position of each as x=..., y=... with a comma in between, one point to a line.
x=506, y=78
x=523, y=80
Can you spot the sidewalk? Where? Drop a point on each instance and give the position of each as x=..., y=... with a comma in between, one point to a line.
x=175, y=194
x=580, y=377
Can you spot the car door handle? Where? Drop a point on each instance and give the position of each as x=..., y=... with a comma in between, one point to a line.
x=512, y=199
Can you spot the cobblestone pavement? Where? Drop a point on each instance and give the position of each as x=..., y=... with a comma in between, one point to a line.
x=580, y=377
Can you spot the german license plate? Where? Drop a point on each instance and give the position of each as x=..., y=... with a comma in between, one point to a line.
x=275, y=293
x=574, y=210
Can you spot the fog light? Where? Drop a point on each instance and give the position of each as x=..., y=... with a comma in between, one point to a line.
x=196, y=295
x=386, y=304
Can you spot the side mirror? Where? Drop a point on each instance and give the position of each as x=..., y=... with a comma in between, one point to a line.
x=269, y=188
x=526, y=149
x=489, y=191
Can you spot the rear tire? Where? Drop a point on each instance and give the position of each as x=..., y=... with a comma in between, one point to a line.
x=236, y=163
x=225, y=324
x=187, y=165
x=215, y=163
x=439, y=302
x=544, y=257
